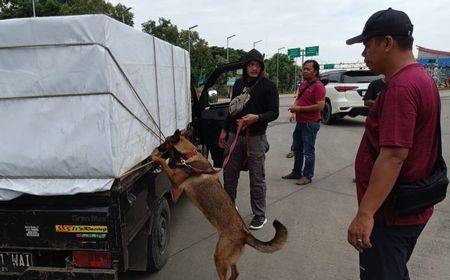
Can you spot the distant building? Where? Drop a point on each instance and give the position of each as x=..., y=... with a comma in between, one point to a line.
x=437, y=64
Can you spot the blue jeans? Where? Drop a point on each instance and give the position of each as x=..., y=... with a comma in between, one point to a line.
x=304, y=141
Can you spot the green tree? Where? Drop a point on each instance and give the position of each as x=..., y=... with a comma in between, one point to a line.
x=287, y=72
x=235, y=54
x=202, y=63
x=164, y=30
x=219, y=56
x=24, y=8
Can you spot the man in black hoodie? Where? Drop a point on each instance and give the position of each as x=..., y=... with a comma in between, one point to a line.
x=261, y=108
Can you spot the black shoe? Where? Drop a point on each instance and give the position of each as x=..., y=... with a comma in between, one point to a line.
x=291, y=176
x=258, y=222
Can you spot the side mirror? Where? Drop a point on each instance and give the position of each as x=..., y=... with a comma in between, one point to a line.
x=325, y=81
x=213, y=97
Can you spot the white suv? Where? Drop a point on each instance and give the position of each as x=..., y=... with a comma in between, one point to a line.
x=345, y=90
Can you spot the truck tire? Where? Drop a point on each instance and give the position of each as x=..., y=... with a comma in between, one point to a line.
x=327, y=117
x=158, y=240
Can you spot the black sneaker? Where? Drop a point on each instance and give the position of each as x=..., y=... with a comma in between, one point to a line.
x=258, y=222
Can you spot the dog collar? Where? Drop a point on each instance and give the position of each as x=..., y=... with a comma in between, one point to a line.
x=190, y=154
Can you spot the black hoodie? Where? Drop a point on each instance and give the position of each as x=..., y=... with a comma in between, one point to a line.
x=264, y=100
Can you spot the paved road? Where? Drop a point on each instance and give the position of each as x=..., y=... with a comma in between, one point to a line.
x=316, y=215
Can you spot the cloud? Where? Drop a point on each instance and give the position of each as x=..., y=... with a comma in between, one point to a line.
x=293, y=24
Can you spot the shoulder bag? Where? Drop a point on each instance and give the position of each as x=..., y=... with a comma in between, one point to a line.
x=238, y=103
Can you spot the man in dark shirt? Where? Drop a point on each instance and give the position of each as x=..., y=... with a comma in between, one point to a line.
x=401, y=127
x=261, y=108
x=374, y=89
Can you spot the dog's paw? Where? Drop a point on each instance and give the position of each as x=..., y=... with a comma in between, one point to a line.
x=156, y=159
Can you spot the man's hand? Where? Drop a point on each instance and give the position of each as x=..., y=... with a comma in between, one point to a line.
x=249, y=119
x=222, y=138
x=292, y=117
x=294, y=109
x=359, y=231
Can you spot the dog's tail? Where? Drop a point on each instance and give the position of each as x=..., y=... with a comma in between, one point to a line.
x=273, y=245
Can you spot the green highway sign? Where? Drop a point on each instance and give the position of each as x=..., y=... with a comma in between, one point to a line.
x=294, y=52
x=312, y=51
x=328, y=66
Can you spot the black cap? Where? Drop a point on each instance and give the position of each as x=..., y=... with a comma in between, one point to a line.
x=383, y=23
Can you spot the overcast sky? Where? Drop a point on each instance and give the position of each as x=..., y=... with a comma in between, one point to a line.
x=294, y=24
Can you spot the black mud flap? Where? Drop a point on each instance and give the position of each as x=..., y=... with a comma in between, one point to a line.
x=52, y=273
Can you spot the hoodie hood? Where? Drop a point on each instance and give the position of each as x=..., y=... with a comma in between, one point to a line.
x=252, y=55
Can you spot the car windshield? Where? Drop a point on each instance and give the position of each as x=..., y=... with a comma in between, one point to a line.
x=359, y=77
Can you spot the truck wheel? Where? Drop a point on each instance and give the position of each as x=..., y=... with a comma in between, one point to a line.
x=158, y=242
x=327, y=117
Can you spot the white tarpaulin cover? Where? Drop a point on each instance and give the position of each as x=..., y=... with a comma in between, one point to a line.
x=82, y=100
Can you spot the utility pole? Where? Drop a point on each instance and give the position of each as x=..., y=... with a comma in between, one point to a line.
x=34, y=9
x=123, y=14
x=278, y=58
x=189, y=40
x=228, y=38
x=302, y=54
x=254, y=43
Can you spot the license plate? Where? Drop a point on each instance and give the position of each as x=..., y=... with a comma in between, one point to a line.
x=15, y=261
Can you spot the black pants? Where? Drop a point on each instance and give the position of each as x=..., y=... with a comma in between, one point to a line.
x=392, y=247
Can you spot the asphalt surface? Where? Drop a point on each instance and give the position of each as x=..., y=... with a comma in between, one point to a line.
x=316, y=215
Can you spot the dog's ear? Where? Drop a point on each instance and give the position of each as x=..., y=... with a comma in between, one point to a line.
x=187, y=133
x=176, y=136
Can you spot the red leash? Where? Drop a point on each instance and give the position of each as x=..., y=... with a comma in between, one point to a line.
x=176, y=192
x=225, y=162
x=233, y=145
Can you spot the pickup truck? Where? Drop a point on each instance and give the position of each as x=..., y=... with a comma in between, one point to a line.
x=83, y=102
x=56, y=222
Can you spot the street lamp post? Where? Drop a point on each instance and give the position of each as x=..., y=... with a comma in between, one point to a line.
x=123, y=14
x=256, y=42
x=189, y=36
x=34, y=9
x=228, y=38
x=278, y=58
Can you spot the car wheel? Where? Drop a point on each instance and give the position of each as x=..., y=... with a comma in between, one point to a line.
x=159, y=237
x=327, y=118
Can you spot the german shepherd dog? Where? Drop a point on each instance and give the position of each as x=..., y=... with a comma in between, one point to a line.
x=194, y=174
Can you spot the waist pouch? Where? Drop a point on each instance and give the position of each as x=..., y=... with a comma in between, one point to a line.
x=409, y=199
x=238, y=103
